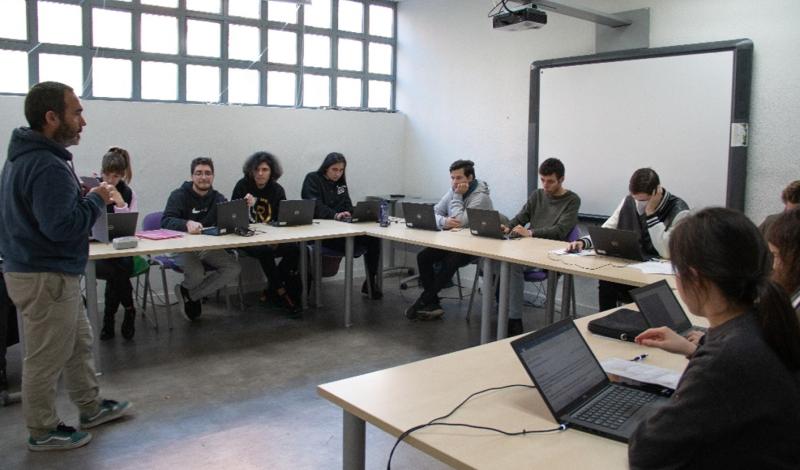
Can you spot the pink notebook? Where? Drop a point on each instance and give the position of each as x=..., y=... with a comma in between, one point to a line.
x=159, y=234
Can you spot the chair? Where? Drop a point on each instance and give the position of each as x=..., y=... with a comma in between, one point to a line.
x=141, y=267
x=331, y=268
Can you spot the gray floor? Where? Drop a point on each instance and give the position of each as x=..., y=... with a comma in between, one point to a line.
x=237, y=389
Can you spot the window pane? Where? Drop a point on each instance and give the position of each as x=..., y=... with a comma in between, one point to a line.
x=14, y=78
x=245, y=8
x=348, y=92
x=351, y=16
x=351, y=55
x=67, y=69
x=281, y=88
x=380, y=58
x=381, y=21
x=318, y=14
x=316, y=50
x=210, y=6
x=316, y=90
x=111, y=28
x=13, y=19
x=282, y=47
x=161, y=3
x=159, y=81
x=202, y=38
x=202, y=83
x=111, y=78
x=380, y=94
x=244, y=42
x=159, y=34
x=60, y=23
x=243, y=86
x=283, y=12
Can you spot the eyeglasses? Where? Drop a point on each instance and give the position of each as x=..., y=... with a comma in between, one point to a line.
x=203, y=173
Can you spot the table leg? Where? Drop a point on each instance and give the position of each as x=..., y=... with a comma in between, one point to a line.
x=353, y=442
x=91, y=311
x=348, y=281
x=318, y=273
x=566, y=298
x=552, y=285
x=502, y=308
x=487, y=297
x=379, y=274
x=304, y=275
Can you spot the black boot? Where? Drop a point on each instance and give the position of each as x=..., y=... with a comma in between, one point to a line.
x=108, y=327
x=3, y=379
x=129, y=323
x=376, y=293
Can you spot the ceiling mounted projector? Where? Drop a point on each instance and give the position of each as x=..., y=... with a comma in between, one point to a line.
x=517, y=20
x=532, y=16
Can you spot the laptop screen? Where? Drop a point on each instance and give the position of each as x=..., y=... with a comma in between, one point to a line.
x=660, y=307
x=561, y=364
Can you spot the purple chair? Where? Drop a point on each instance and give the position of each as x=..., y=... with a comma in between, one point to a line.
x=537, y=275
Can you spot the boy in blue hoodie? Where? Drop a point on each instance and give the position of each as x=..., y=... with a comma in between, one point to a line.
x=45, y=220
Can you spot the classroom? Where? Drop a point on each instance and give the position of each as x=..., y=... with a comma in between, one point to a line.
x=239, y=389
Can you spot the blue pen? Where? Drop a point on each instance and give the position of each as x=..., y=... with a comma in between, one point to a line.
x=638, y=358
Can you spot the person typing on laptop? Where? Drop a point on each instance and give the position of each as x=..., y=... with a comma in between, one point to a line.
x=737, y=404
x=550, y=212
x=190, y=208
x=649, y=210
x=451, y=212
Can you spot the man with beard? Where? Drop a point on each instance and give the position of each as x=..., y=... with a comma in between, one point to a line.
x=44, y=237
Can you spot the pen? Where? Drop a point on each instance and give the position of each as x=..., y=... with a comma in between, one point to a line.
x=638, y=358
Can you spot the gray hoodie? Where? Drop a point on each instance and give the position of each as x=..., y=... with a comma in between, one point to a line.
x=455, y=205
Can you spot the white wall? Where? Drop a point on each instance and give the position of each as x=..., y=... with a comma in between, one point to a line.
x=164, y=137
x=465, y=87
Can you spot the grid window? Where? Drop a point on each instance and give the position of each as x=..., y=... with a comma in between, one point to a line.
x=14, y=79
x=243, y=86
x=202, y=38
x=281, y=88
x=209, y=6
x=161, y=3
x=111, y=28
x=159, y=34
x=159, y=81
x=351, y=16
x=202, y=83
x=316, y=90
x=60, y=23
x=13, y=19
x=67, y=69
x=282, y=47
x=318, y=14
x=244, y=42
x=380, y=58
x=317, y=51
x=381, y=21
x=245, y=8
x=282, y=12
x=111, y=78
x=351, y=55
x=348, y=92
x=380, y=95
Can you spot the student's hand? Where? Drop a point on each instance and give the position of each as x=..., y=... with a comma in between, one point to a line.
x=104, y=191
x=576, y=246
x=342, y=215
x=194, y=227
x=521, y=231
x=250, y=199
x=451, y=222
x=666, y=339
x=654, y=201
x=504, y=229
x=694, y=337
x=460, y=188
x=117, y=198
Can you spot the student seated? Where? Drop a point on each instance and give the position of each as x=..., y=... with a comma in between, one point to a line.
x=260, y=188
x=783, y=239
x=328, y=187
x=190, y=208
x=550, y=212
x=649, y=210
x=451, y=213
x=791, y=200
x=737, y=404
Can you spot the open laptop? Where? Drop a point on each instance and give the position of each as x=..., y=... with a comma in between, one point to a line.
x=486, y=223
x=233, y=217
x=420, y=215
x=660, y=307
x=365, y=211
x=111, y=225
x=575, y=388
x=616, y=243
x=295, y=212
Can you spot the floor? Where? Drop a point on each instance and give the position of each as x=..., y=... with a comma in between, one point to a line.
x=238, y=389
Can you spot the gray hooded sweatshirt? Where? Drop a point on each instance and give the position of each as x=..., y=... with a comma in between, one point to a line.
x=455, y=205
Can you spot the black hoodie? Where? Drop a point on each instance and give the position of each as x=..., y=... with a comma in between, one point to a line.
x=268, y=199
x=184, y=204
x=331, y=197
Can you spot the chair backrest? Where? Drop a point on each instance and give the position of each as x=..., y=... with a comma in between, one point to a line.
x=152, y=221
x=573, y=234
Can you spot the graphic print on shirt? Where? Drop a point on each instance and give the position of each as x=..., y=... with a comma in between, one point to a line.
x=261, y=211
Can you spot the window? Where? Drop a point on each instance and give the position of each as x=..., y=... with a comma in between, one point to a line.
x=337, y=53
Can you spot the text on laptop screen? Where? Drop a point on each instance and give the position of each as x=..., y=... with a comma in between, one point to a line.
x=563, y=365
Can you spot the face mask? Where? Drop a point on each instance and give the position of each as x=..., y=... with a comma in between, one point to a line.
x=640, y=205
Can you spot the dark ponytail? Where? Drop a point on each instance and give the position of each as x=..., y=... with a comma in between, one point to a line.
x=723, y=247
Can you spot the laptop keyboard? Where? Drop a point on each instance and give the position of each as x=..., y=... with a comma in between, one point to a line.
x=614, y=408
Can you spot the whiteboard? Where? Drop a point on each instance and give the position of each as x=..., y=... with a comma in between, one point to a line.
x=605, y=119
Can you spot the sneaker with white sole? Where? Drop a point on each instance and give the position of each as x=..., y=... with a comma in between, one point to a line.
x=109, y=410
x=63, y=437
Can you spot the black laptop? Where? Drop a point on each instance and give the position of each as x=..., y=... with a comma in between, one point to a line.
x=616, y=243
x=486, y=223
x=575, y=388
x=111, y=225
x=660, y=307
x=420, y=215
x=365, y=211
x=233, y=217
x=295, y=212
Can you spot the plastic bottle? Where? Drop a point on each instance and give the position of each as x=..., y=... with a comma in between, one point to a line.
x=383, y=217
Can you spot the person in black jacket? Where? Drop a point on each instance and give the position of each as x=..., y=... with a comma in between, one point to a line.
x=737, y=404
x=190, y=208
x=328, y=187
x=260, y=188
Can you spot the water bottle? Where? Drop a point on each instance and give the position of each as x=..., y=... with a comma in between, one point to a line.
x=383, y=217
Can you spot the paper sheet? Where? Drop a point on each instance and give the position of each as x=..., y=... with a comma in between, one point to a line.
x=564, y=252
x=653, y=267
x=639, y=371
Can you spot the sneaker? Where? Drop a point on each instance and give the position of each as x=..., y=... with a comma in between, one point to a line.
x=433, y=311
x=109, y=410
x=128, y=328
x=515, y=327
x=294, y=309
x=108, y=327
x=411, y=312
x=62, y=437
x=191, y=308
x=376, y=293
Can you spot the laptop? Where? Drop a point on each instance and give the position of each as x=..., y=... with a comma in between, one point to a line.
x=295, y=212
x=111, y=225
x=575, y=388
x=365, y=211
x=616, y=243
x=660, y=307
x=486, y=223
x=420, y=215
x=233, y=217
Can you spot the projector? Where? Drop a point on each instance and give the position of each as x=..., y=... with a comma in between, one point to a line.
x=526, y=18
